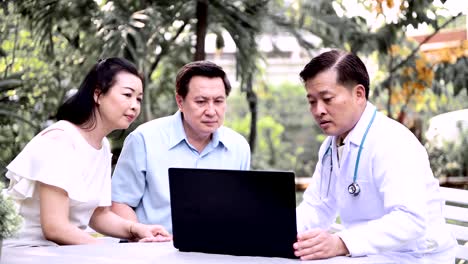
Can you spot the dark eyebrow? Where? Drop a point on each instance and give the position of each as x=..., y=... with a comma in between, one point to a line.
x=324, y=92
x=321, y=93
x=130, y=88
x=208, y=98
x=126, y=87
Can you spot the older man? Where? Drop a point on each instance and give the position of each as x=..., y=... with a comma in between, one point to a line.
x=193, y=137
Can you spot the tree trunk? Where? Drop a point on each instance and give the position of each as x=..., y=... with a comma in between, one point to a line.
x=252, y=101
x=147, y=112
x=271, y=148
x=202, y=24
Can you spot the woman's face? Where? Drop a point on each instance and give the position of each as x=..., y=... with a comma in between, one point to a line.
x=120, y=106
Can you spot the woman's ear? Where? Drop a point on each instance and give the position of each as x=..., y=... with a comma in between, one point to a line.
x=97, y=95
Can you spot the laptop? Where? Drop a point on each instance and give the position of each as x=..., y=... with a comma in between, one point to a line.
x=235, y=212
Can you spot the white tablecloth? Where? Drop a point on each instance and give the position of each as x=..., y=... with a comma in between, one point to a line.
x=145, y=253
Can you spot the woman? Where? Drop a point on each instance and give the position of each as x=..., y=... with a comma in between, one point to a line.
x=61, y=179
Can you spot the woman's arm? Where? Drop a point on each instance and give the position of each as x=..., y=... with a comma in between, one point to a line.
x=108, y=223
x=124, y=211
x=56, y=227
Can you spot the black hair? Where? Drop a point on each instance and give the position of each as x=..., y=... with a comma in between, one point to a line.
x=199, y=68
x=80, y=108
x=349, y=68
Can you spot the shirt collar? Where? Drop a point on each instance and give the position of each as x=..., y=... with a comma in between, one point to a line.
x=220, y=136
x=177, y=130
x=356, y=134
x=178, y=134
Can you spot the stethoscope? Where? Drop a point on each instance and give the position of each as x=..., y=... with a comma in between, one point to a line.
x=353, y=188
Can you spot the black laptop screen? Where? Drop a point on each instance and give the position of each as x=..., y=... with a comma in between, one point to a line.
x=233, y=212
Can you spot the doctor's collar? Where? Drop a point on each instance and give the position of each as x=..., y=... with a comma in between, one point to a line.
x=355, y=135
x=340, y=142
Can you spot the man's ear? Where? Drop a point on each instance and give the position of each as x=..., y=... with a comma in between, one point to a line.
x=180, y=102
x=360, y=92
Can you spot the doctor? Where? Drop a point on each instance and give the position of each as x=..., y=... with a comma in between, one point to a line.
x=372, y=172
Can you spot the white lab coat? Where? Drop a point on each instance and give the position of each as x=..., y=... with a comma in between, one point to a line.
x=399, y=208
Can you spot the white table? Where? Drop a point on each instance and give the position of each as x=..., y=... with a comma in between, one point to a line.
x=146, y=253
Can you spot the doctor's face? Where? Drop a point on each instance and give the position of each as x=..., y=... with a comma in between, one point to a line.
x=336, y=108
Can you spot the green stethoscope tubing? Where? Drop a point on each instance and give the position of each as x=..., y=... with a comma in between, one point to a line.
x=360, y=146
x=358, y=158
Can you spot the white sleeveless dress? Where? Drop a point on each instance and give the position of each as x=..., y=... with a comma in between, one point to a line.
x=67, y=162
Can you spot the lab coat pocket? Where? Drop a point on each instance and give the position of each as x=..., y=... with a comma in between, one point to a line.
x=365, y=206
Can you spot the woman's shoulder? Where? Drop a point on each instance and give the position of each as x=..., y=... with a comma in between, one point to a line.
x=57, y=140
x=61, y=133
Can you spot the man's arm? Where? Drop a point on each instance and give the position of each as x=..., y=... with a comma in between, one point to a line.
x=128, y=181
x=124, y=211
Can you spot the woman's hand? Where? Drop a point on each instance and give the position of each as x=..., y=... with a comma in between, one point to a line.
x=149, y=233
x=108, y=223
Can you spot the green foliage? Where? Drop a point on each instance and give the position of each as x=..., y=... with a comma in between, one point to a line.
x=158, y=36
x=52, y=21
x=371, y=33
x=450, y=159
x=287, y=138
x=71, y=36
x=33, y=83
x=10, y=221
x=454, y=73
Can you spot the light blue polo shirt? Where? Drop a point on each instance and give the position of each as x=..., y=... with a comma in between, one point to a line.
x=140, y=177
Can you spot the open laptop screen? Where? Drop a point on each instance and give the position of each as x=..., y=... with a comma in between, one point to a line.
x=233, y=211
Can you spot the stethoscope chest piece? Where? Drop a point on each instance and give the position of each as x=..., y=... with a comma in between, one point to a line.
x=354, y=189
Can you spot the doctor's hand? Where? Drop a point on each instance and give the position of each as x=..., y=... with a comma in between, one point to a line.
x=150, y=233
x=319, y=244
